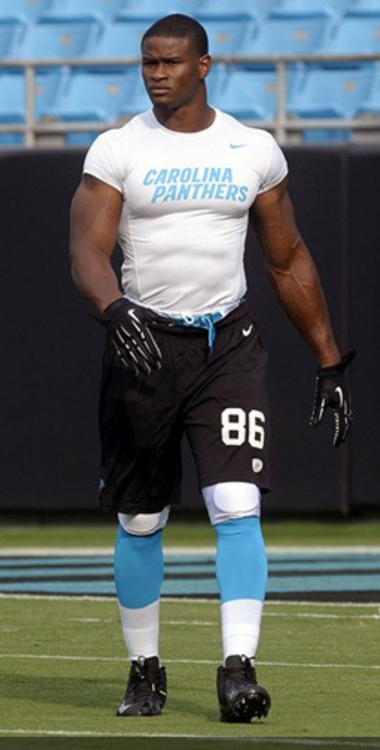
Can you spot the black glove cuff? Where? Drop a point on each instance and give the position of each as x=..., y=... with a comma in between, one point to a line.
x=110, y=311
x=340, y=366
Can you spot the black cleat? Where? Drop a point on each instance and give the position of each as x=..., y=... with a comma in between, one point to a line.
x=240, y=697
x=146, y=689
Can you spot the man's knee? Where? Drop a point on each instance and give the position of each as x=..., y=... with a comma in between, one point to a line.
x=228, y=500
x=143, y=524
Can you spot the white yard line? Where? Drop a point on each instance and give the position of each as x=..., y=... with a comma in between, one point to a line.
x=302, y=665
x=214, y=623
x=314, y=615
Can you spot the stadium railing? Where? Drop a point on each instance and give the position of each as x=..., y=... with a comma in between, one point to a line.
x=283, y=125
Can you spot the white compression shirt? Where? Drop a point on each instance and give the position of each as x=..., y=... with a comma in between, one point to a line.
x=185, y=211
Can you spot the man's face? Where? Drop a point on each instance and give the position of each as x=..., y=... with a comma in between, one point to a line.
x=172, y=70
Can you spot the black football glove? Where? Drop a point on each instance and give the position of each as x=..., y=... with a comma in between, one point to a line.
x=331, y=390
x=131, y=337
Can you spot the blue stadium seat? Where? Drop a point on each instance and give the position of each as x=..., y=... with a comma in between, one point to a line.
x=81, y=140
x=12, y=98
x=121, y=39
x=12, y=93
x=225, y=8
x=53, y=39
x=151, y=10
x=365, y=5
x=25, y=10
x=371, y=103
x=11, y=33
x=358, y=32
x=290, y=34
x=139, y=100
x=326, y=136
x=101, y=10
x=313, y=6
x=11, y=139
x=328, y=92
x=215, y=82
x=250, y=93
x=227, y=36
x=94, y=95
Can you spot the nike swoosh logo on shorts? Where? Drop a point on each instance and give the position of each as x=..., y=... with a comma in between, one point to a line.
x=247, y=331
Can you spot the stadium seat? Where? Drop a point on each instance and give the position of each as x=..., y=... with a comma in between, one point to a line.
x=138, y=101
x=313, y=6
x=358, y=32
x=365, y=6
x=326, y=92
x=151, y=10
x=11, y=33
x=12, y=98
x=12, y=93
x=101, y=10
x=216, y=81
x=326, y=136
x=55, y=39
x=371, y=103
x=289, y=34
x=227, y=36
x=81, y=140
x=25, y=10
x=11, y=139
x=222, y=8
x=121, y=39
x=250, y=93
x=94, y=95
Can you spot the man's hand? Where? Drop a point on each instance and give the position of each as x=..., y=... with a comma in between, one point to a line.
x=131, y=337
x=331, y=390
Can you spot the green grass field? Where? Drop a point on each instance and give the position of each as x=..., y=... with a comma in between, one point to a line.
x=63, y=663
x=287, y=532
x=64, y=670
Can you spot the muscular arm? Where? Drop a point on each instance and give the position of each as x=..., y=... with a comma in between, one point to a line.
x=95, y=215
x=292, y=272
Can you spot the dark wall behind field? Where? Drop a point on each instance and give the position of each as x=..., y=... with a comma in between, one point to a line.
x=51, y=349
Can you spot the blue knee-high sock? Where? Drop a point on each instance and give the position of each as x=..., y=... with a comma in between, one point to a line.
x=139, y=568
x=241, y=561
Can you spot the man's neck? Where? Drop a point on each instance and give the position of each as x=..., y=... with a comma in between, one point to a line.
x=183, y=120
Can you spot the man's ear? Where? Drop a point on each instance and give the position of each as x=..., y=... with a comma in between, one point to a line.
x=205, y=63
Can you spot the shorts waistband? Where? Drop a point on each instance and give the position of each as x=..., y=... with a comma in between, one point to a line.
x=206, y=321
x=210, y=322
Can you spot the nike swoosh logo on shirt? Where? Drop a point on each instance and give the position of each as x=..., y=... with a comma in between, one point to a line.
x=238, y=145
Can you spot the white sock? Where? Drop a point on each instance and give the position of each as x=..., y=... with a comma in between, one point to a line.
x=241, y=619
x=141, y=629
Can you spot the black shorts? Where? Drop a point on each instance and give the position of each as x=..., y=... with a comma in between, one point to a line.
x=218, y=399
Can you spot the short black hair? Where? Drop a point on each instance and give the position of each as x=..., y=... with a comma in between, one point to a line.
x=180, y=26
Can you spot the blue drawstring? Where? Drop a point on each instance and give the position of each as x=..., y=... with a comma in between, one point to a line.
x=201, y=321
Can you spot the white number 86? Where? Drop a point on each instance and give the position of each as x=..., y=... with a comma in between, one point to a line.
x=234, y=427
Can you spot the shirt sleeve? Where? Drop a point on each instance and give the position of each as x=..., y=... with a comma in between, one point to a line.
x=101, y=161
x=277, y=167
